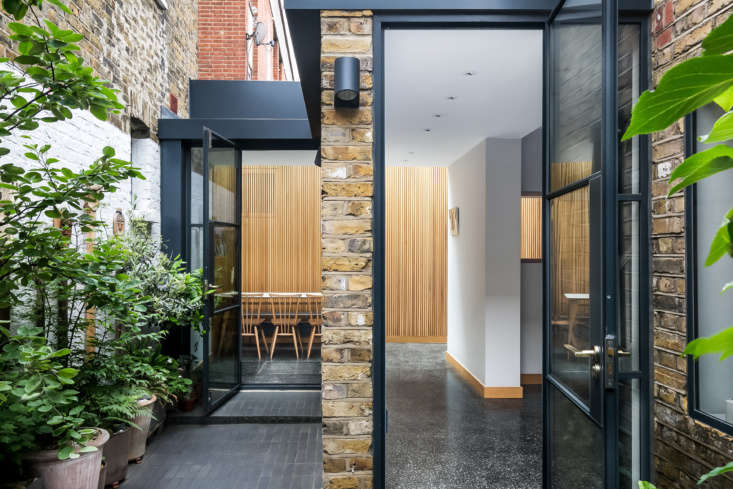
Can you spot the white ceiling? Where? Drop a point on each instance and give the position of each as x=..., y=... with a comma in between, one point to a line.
x=503, y=98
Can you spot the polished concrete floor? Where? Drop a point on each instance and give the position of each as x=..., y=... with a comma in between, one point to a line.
x=284, y=368
x=442, y=434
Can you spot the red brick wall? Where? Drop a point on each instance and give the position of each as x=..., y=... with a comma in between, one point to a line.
x=223, y=26
x=222, y=47
x=684, y=448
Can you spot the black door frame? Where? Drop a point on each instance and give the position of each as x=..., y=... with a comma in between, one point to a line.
x=208, y=263
x=531, y=20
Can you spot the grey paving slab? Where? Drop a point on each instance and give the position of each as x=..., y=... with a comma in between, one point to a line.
x=246, y=456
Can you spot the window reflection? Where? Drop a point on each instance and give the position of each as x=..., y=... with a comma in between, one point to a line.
x=570, y=306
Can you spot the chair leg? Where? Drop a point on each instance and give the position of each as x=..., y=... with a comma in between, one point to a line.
x=310, y=340
x=274, y=340
x=295, y=341
x=257, y=342
x=264, y=339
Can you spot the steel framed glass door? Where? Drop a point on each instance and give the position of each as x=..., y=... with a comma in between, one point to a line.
x=580, y=406
x=221, y=169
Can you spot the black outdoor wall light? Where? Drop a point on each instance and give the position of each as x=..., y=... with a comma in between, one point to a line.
x=346, y=82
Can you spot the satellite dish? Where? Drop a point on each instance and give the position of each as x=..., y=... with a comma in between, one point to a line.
x=259, y=34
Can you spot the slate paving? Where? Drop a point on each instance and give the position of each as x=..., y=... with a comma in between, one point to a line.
x=240, y=456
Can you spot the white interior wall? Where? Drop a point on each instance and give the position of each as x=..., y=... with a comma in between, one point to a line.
x=467, y=260
x=484, y=279
x=503, y=262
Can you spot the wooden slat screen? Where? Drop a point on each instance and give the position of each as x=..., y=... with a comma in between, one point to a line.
x=416, y=253
x=570, y=242
x=281, y=229
x=531, y=248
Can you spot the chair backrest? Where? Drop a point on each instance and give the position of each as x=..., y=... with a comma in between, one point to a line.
x=251, y=312
x=314, y=307
x=285, y=308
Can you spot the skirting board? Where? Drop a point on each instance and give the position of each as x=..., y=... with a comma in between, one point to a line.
x=485, y=391
x=531, y=379
x=416, y=339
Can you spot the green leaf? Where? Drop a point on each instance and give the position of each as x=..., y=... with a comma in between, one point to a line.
x=67, y=373
x=646, y=485
x=720, y=39
x=88, y=449
x=701, y=165
x=60, y=5
x=716, y=472
x=65, y=452
x=720, y=343
x=722, y=129
x=725, y=99
x=98, y=111
x=721, y=241
x=684, y=88
x=108, y=151
x=726, y=287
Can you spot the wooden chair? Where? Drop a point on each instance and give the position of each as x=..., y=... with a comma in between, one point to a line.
x=315, y=319
x=285, y=318
x=252, y=321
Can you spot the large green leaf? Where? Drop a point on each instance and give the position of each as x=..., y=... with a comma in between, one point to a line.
x=721, y=244
x=701, y=165
x=646, y=485
x=716, y=472
x=720, y=343
x=720, y=39
x=684, y=88
x=722, y=129
x=725, y=99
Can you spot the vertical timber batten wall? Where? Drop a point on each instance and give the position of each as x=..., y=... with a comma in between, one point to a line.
x=346, y=262
x=416, y=254
x=684, y=448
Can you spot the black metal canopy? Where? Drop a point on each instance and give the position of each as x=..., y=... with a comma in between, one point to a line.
x=254, y=113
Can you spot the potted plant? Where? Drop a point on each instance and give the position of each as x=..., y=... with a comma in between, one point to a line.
x=190, y=368
x=43, y=433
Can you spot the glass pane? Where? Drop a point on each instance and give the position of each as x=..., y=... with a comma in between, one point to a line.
x=570, y=275
x=629, y=283
x=197, y=248
x=222, y=182
x=224, y=273
x=714, y=310
x=628, y=94
x=197, y=186
x=629, y=437
x=576, y=98
x=223, y=336
x=576, y=446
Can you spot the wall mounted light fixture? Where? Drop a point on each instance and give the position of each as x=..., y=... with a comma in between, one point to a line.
x=346, y=82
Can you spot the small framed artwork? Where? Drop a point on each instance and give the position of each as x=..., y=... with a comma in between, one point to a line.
x=453, y=219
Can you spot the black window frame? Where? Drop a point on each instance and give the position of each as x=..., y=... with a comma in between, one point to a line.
x=691, y=255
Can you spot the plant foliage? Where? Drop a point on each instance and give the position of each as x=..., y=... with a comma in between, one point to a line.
x=682, y=90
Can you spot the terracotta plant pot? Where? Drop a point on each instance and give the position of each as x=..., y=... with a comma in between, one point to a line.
x=116, y=452
x=78, y=473
x=188, y=404
x=138, y=437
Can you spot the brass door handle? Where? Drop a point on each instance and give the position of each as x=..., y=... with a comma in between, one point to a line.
x=594, y=353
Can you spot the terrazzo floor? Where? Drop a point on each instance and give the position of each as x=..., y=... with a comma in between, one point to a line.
x=442, y=434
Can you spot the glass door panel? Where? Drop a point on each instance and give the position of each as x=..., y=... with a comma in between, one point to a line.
x=576, y=437
x=576, y=81
x=570, y=303
x=221, y=258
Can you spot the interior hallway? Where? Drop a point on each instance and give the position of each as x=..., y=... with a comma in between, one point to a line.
x=442, y=434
